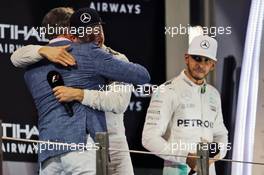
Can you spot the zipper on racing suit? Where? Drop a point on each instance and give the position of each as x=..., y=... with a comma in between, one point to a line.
x=202, y=92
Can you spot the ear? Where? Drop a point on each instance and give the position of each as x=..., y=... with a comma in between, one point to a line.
x=213, y=66
x=72, y=37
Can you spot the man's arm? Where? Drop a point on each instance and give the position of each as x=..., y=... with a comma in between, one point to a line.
x=220, y=131
x=31, y=54
x=219, y=136
x=159, y=114
x=114, y=69
x=115, y=100
x=26, y=55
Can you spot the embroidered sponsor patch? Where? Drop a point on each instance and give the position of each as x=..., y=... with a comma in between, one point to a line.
x=194, y=123
x=153, y=112
x=213, y=108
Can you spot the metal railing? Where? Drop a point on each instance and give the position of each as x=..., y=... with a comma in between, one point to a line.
x=102, y=154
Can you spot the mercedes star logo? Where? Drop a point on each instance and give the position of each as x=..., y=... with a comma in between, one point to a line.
x=205, y=44
x=85, y=17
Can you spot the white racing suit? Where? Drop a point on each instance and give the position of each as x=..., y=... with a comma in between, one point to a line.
x=113, y=102
x=180, y=115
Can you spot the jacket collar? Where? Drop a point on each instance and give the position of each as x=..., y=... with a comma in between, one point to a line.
x=60, y=42
x=58, y=39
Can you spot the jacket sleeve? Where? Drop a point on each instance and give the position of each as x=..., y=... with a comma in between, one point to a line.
x=117, y=70
x=220, y=132
x=26, y=56
x=157, y=122
x=115, y=100
x=117, y=96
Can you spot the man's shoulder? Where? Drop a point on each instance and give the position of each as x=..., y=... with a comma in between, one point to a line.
x=87, y=49
x=169, y=87
x=173, y=83
x=83, y=46
x=213, y=90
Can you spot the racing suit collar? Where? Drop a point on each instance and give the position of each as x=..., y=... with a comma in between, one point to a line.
x=189, y=82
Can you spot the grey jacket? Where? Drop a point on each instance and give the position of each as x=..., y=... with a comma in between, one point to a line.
x=94, y=69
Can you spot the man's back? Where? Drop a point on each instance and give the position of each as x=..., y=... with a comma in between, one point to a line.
x=94, y=68
x=54, y=122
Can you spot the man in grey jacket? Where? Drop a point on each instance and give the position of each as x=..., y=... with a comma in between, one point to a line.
x=114, y=102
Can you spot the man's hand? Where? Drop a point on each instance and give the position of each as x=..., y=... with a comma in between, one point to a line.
x=68, y=94
x=191, y=162
x=58, y=55
x=213, y=161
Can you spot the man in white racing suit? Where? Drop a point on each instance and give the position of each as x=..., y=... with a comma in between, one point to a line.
x=114, y=101
x=185, y=111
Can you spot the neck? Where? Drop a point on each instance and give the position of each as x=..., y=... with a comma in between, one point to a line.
x=198, y=82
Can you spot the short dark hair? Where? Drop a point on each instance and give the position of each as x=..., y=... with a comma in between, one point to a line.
x=57, y=17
